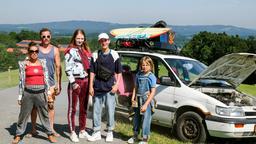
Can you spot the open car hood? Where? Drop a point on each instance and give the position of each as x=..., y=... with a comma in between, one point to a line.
x=233, y=68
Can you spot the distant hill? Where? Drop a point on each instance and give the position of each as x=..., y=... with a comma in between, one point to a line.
x=231, y=30
x=67, y=28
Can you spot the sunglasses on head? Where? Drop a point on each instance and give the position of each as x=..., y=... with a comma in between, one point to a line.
x=46, y=36
x=33, y=51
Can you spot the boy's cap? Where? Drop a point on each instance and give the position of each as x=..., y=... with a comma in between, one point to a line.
x=103, y=35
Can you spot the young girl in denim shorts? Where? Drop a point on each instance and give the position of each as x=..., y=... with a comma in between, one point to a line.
x=142, y=99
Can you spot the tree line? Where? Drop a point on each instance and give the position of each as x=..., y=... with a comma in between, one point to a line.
x=204, y=46
x=208, y=47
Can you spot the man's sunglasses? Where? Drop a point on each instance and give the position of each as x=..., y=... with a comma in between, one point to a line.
x=46, y=36
x=33, y=51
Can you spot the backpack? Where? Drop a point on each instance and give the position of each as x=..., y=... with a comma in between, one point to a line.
x=103, y=73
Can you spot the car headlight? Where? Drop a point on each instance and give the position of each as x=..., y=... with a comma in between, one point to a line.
x=230, y=111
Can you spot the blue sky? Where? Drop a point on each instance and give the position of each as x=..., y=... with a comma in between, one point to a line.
x=240, y=13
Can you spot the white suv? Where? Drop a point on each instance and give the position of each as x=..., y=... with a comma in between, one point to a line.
x=194, y=100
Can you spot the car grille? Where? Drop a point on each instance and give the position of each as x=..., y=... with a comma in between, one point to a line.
x=250, y=113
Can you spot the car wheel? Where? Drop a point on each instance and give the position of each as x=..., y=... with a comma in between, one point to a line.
x=190, y=127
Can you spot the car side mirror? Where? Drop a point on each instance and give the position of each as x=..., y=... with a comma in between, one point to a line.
x=165, y=80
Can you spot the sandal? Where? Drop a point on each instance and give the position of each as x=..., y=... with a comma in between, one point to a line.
x=16, y=140
x=50, y=105
x=52, y=139
x=56, y=134
x=32, y=134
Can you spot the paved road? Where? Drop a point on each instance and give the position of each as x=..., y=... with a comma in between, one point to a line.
x=9, y=111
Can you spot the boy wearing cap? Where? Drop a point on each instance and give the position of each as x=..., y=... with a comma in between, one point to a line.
x=105, y=73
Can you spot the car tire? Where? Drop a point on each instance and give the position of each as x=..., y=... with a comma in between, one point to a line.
x=190, y=128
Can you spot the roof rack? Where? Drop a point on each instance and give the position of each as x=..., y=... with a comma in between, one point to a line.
x=146, y=45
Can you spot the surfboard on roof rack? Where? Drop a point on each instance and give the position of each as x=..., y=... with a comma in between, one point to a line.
x=138, y=33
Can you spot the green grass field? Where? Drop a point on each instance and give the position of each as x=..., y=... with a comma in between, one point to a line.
x=9, y=79
x=249, y=89
x=160, y=135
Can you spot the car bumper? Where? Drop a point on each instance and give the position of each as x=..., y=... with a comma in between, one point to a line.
x=225, y=127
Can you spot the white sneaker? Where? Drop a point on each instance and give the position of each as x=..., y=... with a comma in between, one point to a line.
x=73, y=137
x=95, y=136
x=143, y=142
x=83, y=134
x=109, y=137
x=131, y=140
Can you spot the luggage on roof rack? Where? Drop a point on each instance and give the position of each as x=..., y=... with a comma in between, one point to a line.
x=145, y=39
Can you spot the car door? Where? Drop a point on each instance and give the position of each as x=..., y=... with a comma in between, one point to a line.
x=165, y=92
x=129, y=64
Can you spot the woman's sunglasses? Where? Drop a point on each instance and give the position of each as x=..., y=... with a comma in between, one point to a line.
x=46, y=36
x=33, y=51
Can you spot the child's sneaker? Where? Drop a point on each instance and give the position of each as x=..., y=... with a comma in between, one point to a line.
x=143, y=142
x=132, y=140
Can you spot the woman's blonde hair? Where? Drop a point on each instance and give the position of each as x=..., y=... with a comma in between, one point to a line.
x=147, y=60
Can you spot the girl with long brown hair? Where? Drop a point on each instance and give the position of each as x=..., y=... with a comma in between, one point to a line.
x=77, y=60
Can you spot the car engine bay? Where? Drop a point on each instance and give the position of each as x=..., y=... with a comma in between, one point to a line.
x=230, y=97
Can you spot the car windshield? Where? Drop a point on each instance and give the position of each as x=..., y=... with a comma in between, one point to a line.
x=186, y=70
